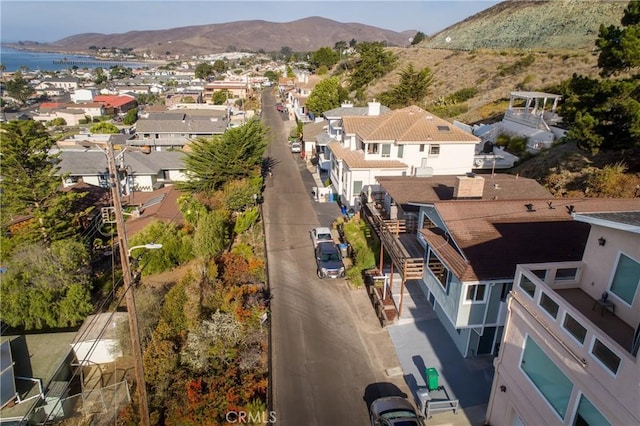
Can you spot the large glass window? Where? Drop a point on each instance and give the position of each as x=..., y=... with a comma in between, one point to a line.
x=574, y=328
x=386, y=150
x=626, y=279
x=372, y=148
x=400, y=151
x=606, y=356
x=552, y=383
x=588, y=415
x=357, y=186
x=566, y=274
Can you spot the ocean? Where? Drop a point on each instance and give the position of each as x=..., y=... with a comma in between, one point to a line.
x=15, y=60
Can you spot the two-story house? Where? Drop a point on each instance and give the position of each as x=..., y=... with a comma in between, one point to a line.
x=404, y=142
x=173, y=129
x=116, y=104
x=569, y=353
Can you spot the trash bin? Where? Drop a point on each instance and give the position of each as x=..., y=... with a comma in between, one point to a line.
x=432, y=378
x=344, y=249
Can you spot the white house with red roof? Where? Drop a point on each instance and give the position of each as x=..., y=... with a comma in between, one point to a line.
x=116, y=104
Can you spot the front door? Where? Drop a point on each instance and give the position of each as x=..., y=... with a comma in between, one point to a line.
x=485, y=346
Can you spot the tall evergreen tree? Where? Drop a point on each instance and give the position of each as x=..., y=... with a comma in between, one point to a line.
x=30, y=183
x=235, y=154
x=326, y=95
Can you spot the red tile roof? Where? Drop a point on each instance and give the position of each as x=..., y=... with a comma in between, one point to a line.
x=114, y=101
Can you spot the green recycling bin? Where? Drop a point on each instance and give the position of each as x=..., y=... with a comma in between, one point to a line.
x=432, y=378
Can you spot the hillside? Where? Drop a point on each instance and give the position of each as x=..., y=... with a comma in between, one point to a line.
x=303, y=35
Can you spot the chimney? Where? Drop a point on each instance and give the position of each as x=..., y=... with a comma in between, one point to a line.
x=374, y=108
x=471, y=186
x=347, y=104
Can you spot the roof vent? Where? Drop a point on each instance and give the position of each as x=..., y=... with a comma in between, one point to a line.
x=530, y=207
x=429, y=117
x=570, y=209
x=496, y=186
x=549, y=204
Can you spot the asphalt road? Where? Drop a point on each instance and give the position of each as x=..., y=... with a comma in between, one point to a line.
x=324, y=363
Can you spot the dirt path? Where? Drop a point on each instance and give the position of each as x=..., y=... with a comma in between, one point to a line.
x=166, y=278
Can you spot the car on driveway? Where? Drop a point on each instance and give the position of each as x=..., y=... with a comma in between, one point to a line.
x=393, y=411
x=296, y=147
x=321, y=234
x=329, y=261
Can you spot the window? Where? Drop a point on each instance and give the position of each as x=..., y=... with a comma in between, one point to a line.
x=372, y=148
x=626, y=279
x=386, y=150
x=549, y=305
x=527, y=285
x=588, y=415
x=566, y=274
x=545, y=375
x=540, y=273
x=357, y=186
x=421, y=149
x=434, y=150
x=475, y=293
x=439, y=270
x=606, y=356
x=400, y=151
x=574, y=328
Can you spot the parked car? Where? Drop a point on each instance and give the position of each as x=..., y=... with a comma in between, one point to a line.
x=321, y=234
x=279, y=107
x=329, y=261
x=296, y=147
x=393, y=410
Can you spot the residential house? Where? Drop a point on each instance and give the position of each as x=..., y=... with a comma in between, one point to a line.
x=311, y=132
x=569, y=353
x=333, y=122
x=236, y=89
x=296, y=97
x=116, y=104
x=173, y=129
x=159, y=205
x=140, y=171
x=468, y=232
x=404, y=142
x=79, y=96
x=68, y=84
x=72, y=113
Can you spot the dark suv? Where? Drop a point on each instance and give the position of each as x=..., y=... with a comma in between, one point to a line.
x=329, y=261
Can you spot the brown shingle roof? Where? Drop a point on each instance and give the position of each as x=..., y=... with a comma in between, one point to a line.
x=495, y=236
x=406, y=125
x=166, y=210
x=355, y=159
x=500, y=186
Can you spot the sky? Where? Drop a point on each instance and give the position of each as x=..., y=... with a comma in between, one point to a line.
x=48, y=21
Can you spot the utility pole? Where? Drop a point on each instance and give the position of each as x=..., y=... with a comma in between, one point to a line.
x=128, y=286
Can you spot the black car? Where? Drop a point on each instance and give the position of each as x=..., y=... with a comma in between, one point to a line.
x=329, y=261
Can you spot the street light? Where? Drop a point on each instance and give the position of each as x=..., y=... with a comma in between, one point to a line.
x=149, y=246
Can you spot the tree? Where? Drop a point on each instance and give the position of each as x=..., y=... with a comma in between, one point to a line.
x=285, y=52
x=30, y=183
x=219, y=66
x=419, y=37
x=104, y=128
x=203, y=71
x=326, y=95
x=219, y=97
x=46, y=286
x=605, y=114
x=324, y=56
x=340, y=47
x=411, y=89
x=19, y=88
x=130, y=117
x=620, y=47
x=235, y=154
x=373, y=62
x=212, y=235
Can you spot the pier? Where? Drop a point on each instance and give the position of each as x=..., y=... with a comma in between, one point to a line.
x=93, y=63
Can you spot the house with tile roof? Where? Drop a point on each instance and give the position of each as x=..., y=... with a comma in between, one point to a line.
x=116, y=104
x=569, y=351
x=404, y=142
x=460, y=238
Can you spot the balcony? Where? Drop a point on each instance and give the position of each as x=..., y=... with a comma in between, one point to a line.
x=561, y=285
